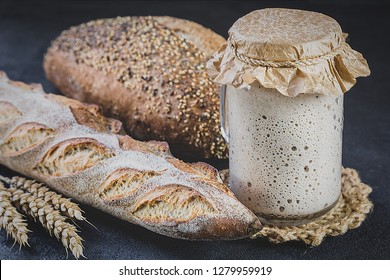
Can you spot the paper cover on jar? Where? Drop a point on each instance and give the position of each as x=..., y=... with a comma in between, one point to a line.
x=293, y=51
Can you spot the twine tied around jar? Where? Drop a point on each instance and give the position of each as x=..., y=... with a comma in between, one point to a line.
x=307, y=61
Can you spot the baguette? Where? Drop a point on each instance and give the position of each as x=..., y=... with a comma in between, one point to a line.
x=73, y=149
x=148, y=72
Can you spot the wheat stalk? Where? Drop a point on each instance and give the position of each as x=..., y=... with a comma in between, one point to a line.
x=50, y=218
x=11, y=220
x=64, y=205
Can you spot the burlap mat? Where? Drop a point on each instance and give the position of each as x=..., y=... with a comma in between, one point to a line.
x=349, y=212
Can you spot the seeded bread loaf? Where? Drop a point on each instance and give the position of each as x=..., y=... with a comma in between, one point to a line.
x=148, y=72
x=72, y=148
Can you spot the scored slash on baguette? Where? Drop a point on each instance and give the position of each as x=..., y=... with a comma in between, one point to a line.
x=71, y=156
x=75, y=150
x=25, y=137
x=120, y=185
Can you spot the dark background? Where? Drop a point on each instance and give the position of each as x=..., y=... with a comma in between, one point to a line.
x=26, y=29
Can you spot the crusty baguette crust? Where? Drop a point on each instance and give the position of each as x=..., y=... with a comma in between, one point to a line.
x=72, y=148
x=148, y=72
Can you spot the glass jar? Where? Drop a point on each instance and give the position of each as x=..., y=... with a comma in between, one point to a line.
x=284, y=74
x=285, y=164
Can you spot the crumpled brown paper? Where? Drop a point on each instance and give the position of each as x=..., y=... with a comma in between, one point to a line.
x=292, y=51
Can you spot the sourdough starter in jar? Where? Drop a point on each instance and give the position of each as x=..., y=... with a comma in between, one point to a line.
x=285, y=72
x=285, y=153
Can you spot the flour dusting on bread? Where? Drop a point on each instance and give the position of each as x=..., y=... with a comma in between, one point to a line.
x=43, y=137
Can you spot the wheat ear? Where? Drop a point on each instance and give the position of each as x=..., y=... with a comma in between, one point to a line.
x=11, y=220
x=50, y=218
x=60, y=203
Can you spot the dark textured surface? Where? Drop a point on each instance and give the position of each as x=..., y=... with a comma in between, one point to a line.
x=26, y=29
